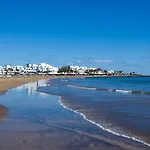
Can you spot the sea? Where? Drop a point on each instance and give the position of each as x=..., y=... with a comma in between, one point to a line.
x=119, y=106
x=108, y=112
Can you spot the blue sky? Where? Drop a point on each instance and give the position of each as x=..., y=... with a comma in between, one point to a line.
x=110, y=34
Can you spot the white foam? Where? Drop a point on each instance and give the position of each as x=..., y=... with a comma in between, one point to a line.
x=79, y=87
x=123, y=91
x=109, y=90
x=108, y=130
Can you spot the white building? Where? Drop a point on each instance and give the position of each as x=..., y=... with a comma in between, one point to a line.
x=52, y=70
x=82, y=70
x=1, y=70
x=110, y=72
x=19, y=68
x=44, y=67
x=7, y=67
x=35, y=67
x=79, y=69
x=29, y=65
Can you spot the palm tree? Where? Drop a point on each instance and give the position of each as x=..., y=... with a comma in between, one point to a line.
x=105, y=71
x=65, y=69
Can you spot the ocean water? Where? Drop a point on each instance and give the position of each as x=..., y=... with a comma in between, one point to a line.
x=32, y=112
x=118, y=105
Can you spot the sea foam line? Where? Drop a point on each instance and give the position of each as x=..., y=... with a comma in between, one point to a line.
x=123, y=91
x=108, y=130
x=92, y=88
x=79, y=87
x=110, y=90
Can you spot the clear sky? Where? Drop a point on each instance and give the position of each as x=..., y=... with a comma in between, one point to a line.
x=110, y=34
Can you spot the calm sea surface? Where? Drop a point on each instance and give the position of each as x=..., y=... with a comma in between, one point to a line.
x=120, y=105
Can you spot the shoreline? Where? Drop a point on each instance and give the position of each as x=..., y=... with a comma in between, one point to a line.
x=27, y=139
x=15, y=81
x=99, y=137
x=101, y=127
x=86, y=134
x=7, y=83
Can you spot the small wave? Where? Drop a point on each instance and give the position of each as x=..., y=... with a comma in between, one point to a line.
x=81, y=87
x=105, y=129
x=123, y=91
x=110, y=90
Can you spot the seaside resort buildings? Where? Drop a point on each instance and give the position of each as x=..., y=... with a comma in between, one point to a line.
x=46, y=69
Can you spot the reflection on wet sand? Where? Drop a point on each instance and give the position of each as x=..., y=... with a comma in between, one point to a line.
x=32, y=87
x=3, y=113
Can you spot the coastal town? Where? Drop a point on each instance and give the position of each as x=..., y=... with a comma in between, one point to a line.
x=47, y=69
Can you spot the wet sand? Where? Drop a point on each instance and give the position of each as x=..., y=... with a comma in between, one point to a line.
x=57, y=138
x=3, y=112
x=12, y=82
x=45, y=137
x=7, y=83
x=51, y=140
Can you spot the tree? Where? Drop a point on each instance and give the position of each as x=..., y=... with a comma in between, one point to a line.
x=120, y=72
x=105, y=71
x=65, y=69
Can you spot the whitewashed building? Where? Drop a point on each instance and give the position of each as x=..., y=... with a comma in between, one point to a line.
x=7, y=67
x=110, y=71
x=35, y=67
x=1, y=70
x=19, y=68
x=44, y=67
x=79, y=69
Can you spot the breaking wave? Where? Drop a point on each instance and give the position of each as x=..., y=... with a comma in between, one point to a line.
x=103, y=128
x=81, y=87
x=110, y=90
